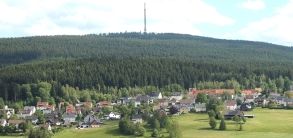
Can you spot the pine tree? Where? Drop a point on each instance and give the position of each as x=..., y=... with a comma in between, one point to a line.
x=222, y=125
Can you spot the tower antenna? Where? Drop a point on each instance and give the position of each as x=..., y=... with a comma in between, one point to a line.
x=145, y=30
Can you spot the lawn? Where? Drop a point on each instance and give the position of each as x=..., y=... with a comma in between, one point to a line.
x=268, y=123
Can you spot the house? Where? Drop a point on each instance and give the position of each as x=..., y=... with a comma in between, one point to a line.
x=42, y=105
x=187, y=104
x=34, y=119
x=136, y=119
x=289, y=102
x=200, y=107
x=103, y=104
x=7, y=111
x=88, y=105
x=176, y=95
x=124, y=100
x=212, y=92
x=245, y=107
x=91, y=121
x=3, y=122
x=155, y=95
x=141, y=99
x=53, y=118
x=89, y=118
x=45, y=107
x=70, y=109
x=24, y=113
x=160, y=104
x=249, y=99
x=231, y=114
x=231, y=105
x=69, y=118
x=32, y=108
x=252, y=92
x=114, y=115
x=15, y=123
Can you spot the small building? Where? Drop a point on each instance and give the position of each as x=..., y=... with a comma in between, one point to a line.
x=142, y=99
x=24, y=113
x=136, y=118
x=249, y=99
x=70, y=109
x=103, y=104
x=176, y=95
x=114, y=115
x=231, y=105
x=155, y=95
x=245, y=107
x=69, y=118
x=34, y=119
x=15, y=123
x=91, y=121
x=124, y=100
x=7, y=111
x=45, y=107
x=200, y=107
x=88, y=105
x=3, y=122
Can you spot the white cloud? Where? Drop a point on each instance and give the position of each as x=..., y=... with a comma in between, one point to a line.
x=277, y=28
x=253, y=4
x=50, y=17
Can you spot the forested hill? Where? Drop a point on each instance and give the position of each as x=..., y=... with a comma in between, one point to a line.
x=182, y=47
x=131, y=60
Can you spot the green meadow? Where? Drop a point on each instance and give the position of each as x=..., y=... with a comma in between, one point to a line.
x=268, y=123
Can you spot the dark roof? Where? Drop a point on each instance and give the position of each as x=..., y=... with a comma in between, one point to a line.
x=137, y=116
x=16, y=121
x=153, y=94
x=231, y=103
x=234, y=112
x=33, y=117
x=142, y=98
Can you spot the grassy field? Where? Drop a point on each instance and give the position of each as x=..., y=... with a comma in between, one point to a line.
x=268, y=123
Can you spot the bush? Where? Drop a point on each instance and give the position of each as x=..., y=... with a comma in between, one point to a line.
x=139, y=130
x=155, y=133
x=126, y=127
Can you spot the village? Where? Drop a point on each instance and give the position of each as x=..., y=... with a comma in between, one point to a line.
x=84, y=115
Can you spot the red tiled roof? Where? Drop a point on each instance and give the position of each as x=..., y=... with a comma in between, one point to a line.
x=212, y=91
x=249, y=92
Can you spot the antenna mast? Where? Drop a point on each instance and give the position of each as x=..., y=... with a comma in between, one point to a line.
x=145, y=30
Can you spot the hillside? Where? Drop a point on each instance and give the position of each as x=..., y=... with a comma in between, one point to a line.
x=183, y=47
x=131, y=60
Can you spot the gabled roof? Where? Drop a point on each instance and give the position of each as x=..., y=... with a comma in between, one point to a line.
x=200, y=105
x=29, y=108
x=69, y=115
x=137, y=116
x=230, y=103
x=140, y=98
x=212, y=91
x=249, y=92
x=14, y=122
x=187, y=101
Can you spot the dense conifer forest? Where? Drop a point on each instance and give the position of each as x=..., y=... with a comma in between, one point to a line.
x=130, y=60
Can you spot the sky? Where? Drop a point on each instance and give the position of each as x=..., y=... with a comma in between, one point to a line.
x=257, y=20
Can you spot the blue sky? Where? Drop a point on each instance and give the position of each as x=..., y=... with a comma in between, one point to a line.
x=256, y=20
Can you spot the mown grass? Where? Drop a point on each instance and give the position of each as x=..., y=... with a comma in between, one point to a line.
x=268, y=123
